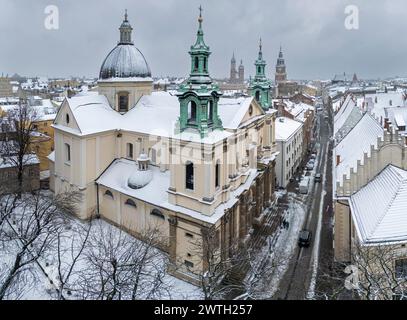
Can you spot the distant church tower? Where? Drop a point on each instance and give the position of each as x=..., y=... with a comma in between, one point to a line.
x=281, y=72
x=241, y=72
x=233, y=72
x=260, y=86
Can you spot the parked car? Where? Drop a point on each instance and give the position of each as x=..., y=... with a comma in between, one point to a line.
x=318, y=177
x=304, y=239
x=310, y=166
x=313, y=156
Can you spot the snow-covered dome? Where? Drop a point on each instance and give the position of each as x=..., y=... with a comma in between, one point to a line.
x=125, y=61
x=140, y=178
x=143, y=157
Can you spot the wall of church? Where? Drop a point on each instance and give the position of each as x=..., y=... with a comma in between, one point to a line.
x=135, y=89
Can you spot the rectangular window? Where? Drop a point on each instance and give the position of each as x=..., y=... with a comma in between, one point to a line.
x=130, y=150
x=189, y=264
x=189, y=235
x=68, y=152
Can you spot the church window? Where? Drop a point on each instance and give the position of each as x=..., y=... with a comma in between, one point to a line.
x=189, y=176
x=250, y=110
x=67, y=152
x=205, y=62
x=192, y=111
x=258, y=69
x=131, y=203
x=157, y=213
x=67, y=118
x=123, y=102
x=217, y=174
x=109, y=194
x=129, y=150
x=258, y=96
x=196, y=63
x=210, y=115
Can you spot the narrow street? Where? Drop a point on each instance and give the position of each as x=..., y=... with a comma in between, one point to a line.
x=301, y=278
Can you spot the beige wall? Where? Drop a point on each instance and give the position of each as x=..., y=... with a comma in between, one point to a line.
x=135, y=89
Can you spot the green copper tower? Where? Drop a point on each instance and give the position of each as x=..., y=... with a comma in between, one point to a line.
x=199, y=96
x=260, y=86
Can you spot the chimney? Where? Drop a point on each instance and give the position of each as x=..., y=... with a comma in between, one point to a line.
x=338, y=159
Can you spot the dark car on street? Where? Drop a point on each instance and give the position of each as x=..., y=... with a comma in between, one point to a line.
x=304, y=239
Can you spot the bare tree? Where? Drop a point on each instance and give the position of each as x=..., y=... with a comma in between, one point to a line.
x=214, y=267
x=30, y=229
x=120, y=267
x=18, y=137
x=375, y=273
x=70, y=245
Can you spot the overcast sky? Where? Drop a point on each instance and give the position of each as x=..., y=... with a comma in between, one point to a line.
x=315, y=42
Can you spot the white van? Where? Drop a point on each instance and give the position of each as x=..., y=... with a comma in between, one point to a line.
x=304, y=185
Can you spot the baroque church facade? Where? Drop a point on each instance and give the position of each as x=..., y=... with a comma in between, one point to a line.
x=182, y=163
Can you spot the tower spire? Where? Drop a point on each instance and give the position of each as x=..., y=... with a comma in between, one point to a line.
x=125, y=30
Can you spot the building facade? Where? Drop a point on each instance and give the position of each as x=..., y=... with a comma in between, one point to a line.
x=290, y=142
x=183, y=164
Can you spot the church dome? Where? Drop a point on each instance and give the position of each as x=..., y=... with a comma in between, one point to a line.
x=125, y=60
x=140, y=178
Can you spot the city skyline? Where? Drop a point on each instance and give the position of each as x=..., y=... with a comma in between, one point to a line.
x=304, y=29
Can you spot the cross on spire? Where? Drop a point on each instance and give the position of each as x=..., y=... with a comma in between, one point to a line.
x=200, y=19
x=125, y=14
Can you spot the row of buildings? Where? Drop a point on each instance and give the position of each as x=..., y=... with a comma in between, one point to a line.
x=369, y=184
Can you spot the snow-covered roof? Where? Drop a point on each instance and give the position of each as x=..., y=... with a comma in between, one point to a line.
x=343, y=114
x=379, y=208
x=355, y=143
x=155, y=114
x=286, y=127
x=156, y=191
x=51, y=156
x=232, y=111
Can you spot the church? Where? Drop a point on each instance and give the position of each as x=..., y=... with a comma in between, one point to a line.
x=184, y=162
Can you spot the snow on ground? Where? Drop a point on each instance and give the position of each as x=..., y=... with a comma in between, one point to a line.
x=286, y=243
x=38, y=286
x=279, y=250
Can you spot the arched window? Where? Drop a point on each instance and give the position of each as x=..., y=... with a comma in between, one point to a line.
x=108, y=193
x=258, y=69
x=217, y=174
x=157, y=213
x=196, y=63
x=129, y=150
x=123, y=101
x=192, y=111
x=189, y=176
x=205, y=64
x=67, y=152
x=258, y=95
x=67, y=118
x=130, y=203
x=210, y=111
